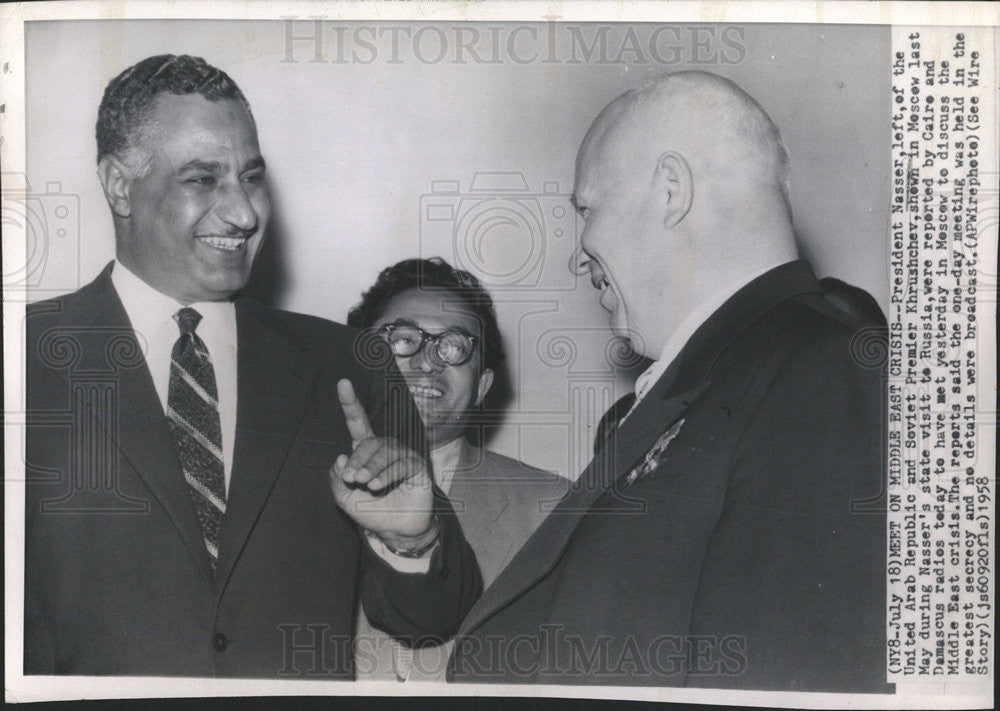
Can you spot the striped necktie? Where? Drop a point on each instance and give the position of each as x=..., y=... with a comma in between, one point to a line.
x=193, y=417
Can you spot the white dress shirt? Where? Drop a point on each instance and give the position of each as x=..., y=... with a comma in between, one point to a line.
x=682, y=334
x=151, y=314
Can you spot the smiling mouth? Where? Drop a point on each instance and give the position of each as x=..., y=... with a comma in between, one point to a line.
x=226, y=244
x=608, y=298
x=598, y=277
x=427, y=393
x=600, y=281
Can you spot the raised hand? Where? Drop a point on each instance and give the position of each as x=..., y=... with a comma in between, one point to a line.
x=384, y=486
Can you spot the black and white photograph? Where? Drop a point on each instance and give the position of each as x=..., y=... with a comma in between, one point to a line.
x=620, y=351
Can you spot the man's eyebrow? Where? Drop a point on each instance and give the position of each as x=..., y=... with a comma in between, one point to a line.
x=459, y=329
x=404, y=322
x=214, y=166
x=408, y=322
x=254, y=164
x=211, y=166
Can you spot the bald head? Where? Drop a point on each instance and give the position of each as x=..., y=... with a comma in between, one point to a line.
x=722, y=131
x=683, y=183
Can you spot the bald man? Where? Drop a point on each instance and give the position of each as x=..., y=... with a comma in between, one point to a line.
x=719, y=537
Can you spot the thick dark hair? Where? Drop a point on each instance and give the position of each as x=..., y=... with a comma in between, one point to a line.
x=128, y=99
x=432, y=274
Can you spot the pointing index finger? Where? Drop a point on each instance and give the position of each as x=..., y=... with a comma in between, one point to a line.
x=354, y=412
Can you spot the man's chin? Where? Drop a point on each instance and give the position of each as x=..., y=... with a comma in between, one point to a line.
x=425, y=410
x=224, y=284
x=619, y=325
x=621, y=329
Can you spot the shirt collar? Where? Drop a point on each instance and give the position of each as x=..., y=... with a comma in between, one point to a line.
x=682, y=334
x=150, y=311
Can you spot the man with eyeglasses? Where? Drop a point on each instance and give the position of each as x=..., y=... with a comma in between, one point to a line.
x=441, y=327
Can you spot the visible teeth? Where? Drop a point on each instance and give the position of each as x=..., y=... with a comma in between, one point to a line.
x=227, y=243
x=421, y=391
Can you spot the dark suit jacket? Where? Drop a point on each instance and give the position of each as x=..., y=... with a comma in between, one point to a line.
x=499, y=502
x=742, y=551
x=117, y=577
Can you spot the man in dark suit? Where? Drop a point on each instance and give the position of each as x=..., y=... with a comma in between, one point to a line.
x=719, y=538
x=182, y=511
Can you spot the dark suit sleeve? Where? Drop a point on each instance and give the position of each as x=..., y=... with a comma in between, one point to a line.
x=411, y=606
x=423, y=608
x=794, y=547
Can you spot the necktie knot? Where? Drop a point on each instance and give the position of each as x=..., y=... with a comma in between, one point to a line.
x=188, y=319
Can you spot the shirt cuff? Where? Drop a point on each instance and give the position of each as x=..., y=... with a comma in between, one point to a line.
x=398, y=562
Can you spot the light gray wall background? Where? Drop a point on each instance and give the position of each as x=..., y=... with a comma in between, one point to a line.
x=372, y=159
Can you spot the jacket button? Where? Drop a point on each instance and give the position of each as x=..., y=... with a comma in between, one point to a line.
x=220, y=642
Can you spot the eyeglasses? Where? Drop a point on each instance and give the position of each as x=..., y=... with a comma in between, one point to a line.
x=449, y=347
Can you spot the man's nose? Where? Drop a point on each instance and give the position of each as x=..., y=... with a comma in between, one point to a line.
x=422, y=360
x=579, y=262
x=235, y=208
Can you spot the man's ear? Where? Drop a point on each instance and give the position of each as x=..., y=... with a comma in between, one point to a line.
x=675, y=186
x=116, y=180
x=485, y=383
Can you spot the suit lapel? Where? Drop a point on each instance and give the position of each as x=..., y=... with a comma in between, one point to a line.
x=542, y=551
x=483, y=499
x=654, y=415
x=477, y=480
x=679, y=386
x=143, y=437
x=275, y=379
x=145, y=440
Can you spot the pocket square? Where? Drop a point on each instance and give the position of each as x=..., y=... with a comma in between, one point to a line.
x=651, y=461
